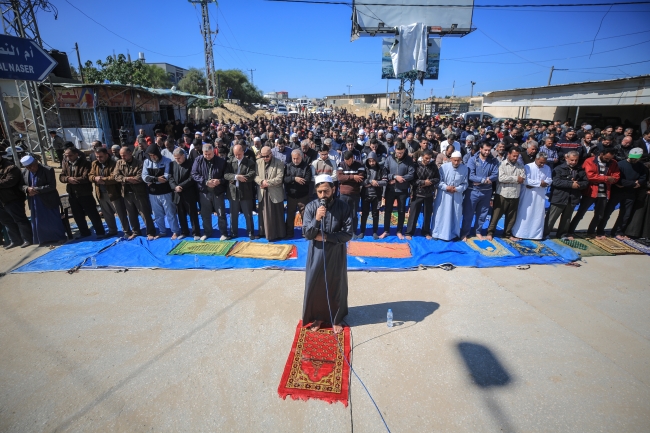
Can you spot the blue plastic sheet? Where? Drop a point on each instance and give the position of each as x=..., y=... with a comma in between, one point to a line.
x=143, y=254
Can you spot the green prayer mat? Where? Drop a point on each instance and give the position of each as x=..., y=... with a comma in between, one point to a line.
x=583, y=247
x=216, y=248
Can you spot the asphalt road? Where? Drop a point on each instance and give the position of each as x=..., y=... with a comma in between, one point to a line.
x=547, y=349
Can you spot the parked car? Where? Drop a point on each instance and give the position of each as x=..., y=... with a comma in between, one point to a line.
x=281, y=110
x=476, y=115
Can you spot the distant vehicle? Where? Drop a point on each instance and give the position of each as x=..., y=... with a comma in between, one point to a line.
x=293, y=112
x=328, y=111
x=281, y=110
x=476, y=115
x=264, y=106
x=282, y=105
x=256, y=105
x=271, y=107
x=496, y=120
x=303, y=101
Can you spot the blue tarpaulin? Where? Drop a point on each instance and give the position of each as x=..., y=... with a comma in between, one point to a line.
x=143, y=254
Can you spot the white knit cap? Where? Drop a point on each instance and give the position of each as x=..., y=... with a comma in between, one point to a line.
x=27, y=160
x=456, y=154
x=323, y=178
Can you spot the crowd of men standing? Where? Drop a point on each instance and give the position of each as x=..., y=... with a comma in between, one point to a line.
x=454, y=174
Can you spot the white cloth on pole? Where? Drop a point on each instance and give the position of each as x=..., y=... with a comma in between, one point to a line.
x=529, y=223
x=410, y=52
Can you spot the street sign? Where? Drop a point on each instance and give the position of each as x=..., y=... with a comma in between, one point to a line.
x=22, y=59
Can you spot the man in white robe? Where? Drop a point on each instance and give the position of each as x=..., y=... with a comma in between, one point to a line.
x=448, y=207
x=531, y=212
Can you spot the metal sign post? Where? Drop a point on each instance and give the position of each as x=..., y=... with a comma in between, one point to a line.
x=5, y=125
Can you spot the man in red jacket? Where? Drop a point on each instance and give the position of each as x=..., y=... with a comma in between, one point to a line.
x=602, y=172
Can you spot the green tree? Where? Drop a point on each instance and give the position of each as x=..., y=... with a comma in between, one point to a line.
x=242, y=89
x=120, y=71
x=193, y=82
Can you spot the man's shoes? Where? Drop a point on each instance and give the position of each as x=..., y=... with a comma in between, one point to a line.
x=224, y=238
x=252, y=237
x=179, y=237
x=360, y=236
x=10, y=246
x=204, y=237
x=375, y=236
x=26, y=244
x=354, y=237
x=196, y=238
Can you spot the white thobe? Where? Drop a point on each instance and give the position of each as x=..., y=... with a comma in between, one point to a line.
x=448, y=207
x=531, y=212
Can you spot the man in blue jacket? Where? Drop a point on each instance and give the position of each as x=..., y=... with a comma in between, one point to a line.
x=208, y=172
x=483, y=172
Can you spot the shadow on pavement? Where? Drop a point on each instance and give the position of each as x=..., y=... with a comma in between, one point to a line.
x=488, y=374
x=403, y=311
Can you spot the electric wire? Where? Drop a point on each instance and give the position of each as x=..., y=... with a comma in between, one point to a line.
x=329, y=308
x=475, y=6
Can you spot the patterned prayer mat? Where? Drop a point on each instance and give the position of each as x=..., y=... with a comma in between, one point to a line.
x=583, y=247
x=216, y=248
x=614, y=246
x=256, y=250
x=393, y=218
x=527, y=247
x=316, y=367
x=638, y=245
x=379, y=249
x=489, y=248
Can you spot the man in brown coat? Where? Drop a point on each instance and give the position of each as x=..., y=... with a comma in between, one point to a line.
x=80, y=193
x=128, y=173
x=108, y=191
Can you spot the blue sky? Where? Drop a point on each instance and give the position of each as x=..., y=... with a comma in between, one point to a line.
x=511, y=48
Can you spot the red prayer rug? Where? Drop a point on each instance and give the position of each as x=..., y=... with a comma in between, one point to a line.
x=316, y=367
x=379, y=249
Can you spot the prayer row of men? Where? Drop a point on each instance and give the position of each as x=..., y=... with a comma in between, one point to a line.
x=455, y=191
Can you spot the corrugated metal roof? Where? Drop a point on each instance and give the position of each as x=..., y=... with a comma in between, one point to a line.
x=638, y=77
x=141, y=88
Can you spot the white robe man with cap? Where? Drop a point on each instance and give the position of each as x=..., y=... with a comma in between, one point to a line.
x=327, y=225
x=448, y=207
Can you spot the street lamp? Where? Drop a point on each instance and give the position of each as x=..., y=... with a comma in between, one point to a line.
x=472, y=92
x=349, y=85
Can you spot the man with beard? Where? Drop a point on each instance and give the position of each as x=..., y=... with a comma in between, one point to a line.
x=483, y=173
x=427, y=177
x=569, y=179
x=448, y=207
x=297, y=183
x=327, y=225
x=400, y=173
x=185, y=193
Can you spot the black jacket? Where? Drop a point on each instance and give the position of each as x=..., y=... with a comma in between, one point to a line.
x=404, y=168
x=377, y=173
x=10, y=182
x=562, y=192
x=181, y=175
x=292, y=171
x=422, y=174
x=247, y=169
x=630, y=174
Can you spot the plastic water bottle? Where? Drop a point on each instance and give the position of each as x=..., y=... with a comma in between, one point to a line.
x=196, y=260
x=93, y=262
x=389, y=318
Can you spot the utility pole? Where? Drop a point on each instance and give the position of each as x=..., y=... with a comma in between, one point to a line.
x=471, y=94
x=550, y=77
x=206, y=32
x=81, y=73
x=348, y=86
x=453, y=88
x=252, y=70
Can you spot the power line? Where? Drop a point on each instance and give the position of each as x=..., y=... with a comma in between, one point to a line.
x=231, y=32
x=302, y=58
x=123, y=38
x=551, y=46
x=550, y=60
x=554, y=5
